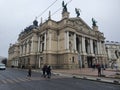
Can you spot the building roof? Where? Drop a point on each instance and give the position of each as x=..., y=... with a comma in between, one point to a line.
x=112, y=43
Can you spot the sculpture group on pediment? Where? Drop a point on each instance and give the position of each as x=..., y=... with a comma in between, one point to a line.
x=64, y=6
x=94, y=22
x=77, y=12
x=35, y=23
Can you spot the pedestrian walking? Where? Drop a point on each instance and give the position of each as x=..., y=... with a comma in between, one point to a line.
x=44, y=71
x=29, y=71
x=99, y=70
x=48, y=71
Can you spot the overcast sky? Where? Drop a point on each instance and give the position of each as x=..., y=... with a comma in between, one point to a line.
x=15, y=15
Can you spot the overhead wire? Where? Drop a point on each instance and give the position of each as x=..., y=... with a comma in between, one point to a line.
x=47, y=8
x=44, y=11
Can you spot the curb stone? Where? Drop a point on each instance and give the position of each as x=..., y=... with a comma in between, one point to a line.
x=98, y=79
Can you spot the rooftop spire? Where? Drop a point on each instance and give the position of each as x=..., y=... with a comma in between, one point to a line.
x=49, y=15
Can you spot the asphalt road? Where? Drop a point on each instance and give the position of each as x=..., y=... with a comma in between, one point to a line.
x=15, y=79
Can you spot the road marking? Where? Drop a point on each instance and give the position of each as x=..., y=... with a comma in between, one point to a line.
x=4, y=81
x=20, y=79
x=15, y=80
x=9, y=80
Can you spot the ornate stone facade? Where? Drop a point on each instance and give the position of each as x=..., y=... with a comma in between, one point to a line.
x=112, y=49
x=69, y=43
x=13, y=53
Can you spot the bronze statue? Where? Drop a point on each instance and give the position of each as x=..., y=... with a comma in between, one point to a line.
x=94, y=22
x=64, y=6
x=77, y=12
x=35, y=23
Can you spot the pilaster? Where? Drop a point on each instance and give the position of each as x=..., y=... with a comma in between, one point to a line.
x=98, y=47
x=49, y=41
x=20, y=50
x=39, y=44
x=45, y=42
x=67, y=40
x=91, y=46
x=27, y=48
x=83, y=46
x=75, y=42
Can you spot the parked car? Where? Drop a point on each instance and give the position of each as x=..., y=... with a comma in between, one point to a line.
x=2, y=66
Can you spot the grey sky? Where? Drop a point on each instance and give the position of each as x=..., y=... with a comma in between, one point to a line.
x=15, y=15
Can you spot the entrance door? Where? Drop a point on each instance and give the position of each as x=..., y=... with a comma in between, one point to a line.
x=89, y=61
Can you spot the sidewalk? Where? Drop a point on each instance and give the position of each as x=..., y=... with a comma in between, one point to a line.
x=88, y=71
x=90, y=74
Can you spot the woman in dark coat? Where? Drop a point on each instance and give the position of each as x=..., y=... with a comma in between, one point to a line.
x=48, y=71
x=29, y=71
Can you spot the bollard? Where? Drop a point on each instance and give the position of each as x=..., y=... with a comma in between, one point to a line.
x=84, y=77
x=116, y=82
x=98, y=79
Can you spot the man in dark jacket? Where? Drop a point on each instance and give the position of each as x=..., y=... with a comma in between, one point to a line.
x=44, y=70
x=29, y=71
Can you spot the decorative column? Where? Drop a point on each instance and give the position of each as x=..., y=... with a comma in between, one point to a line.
x=41, y=47
x=49, y=40
x=20, y=50
x=45, y=41
x=67, y=38
x=83, y=45
x=74, y=41
x=103, y=48
x=39, y=62
x=27, y=48
x=91, y=46
x=89, y=50
x=32, y=45
x=39, y=44
x=96, y=47
x=24, y=49
x=80, y=44
x=100, y=47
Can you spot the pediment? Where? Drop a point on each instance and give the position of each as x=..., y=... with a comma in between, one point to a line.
x=77, y=22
